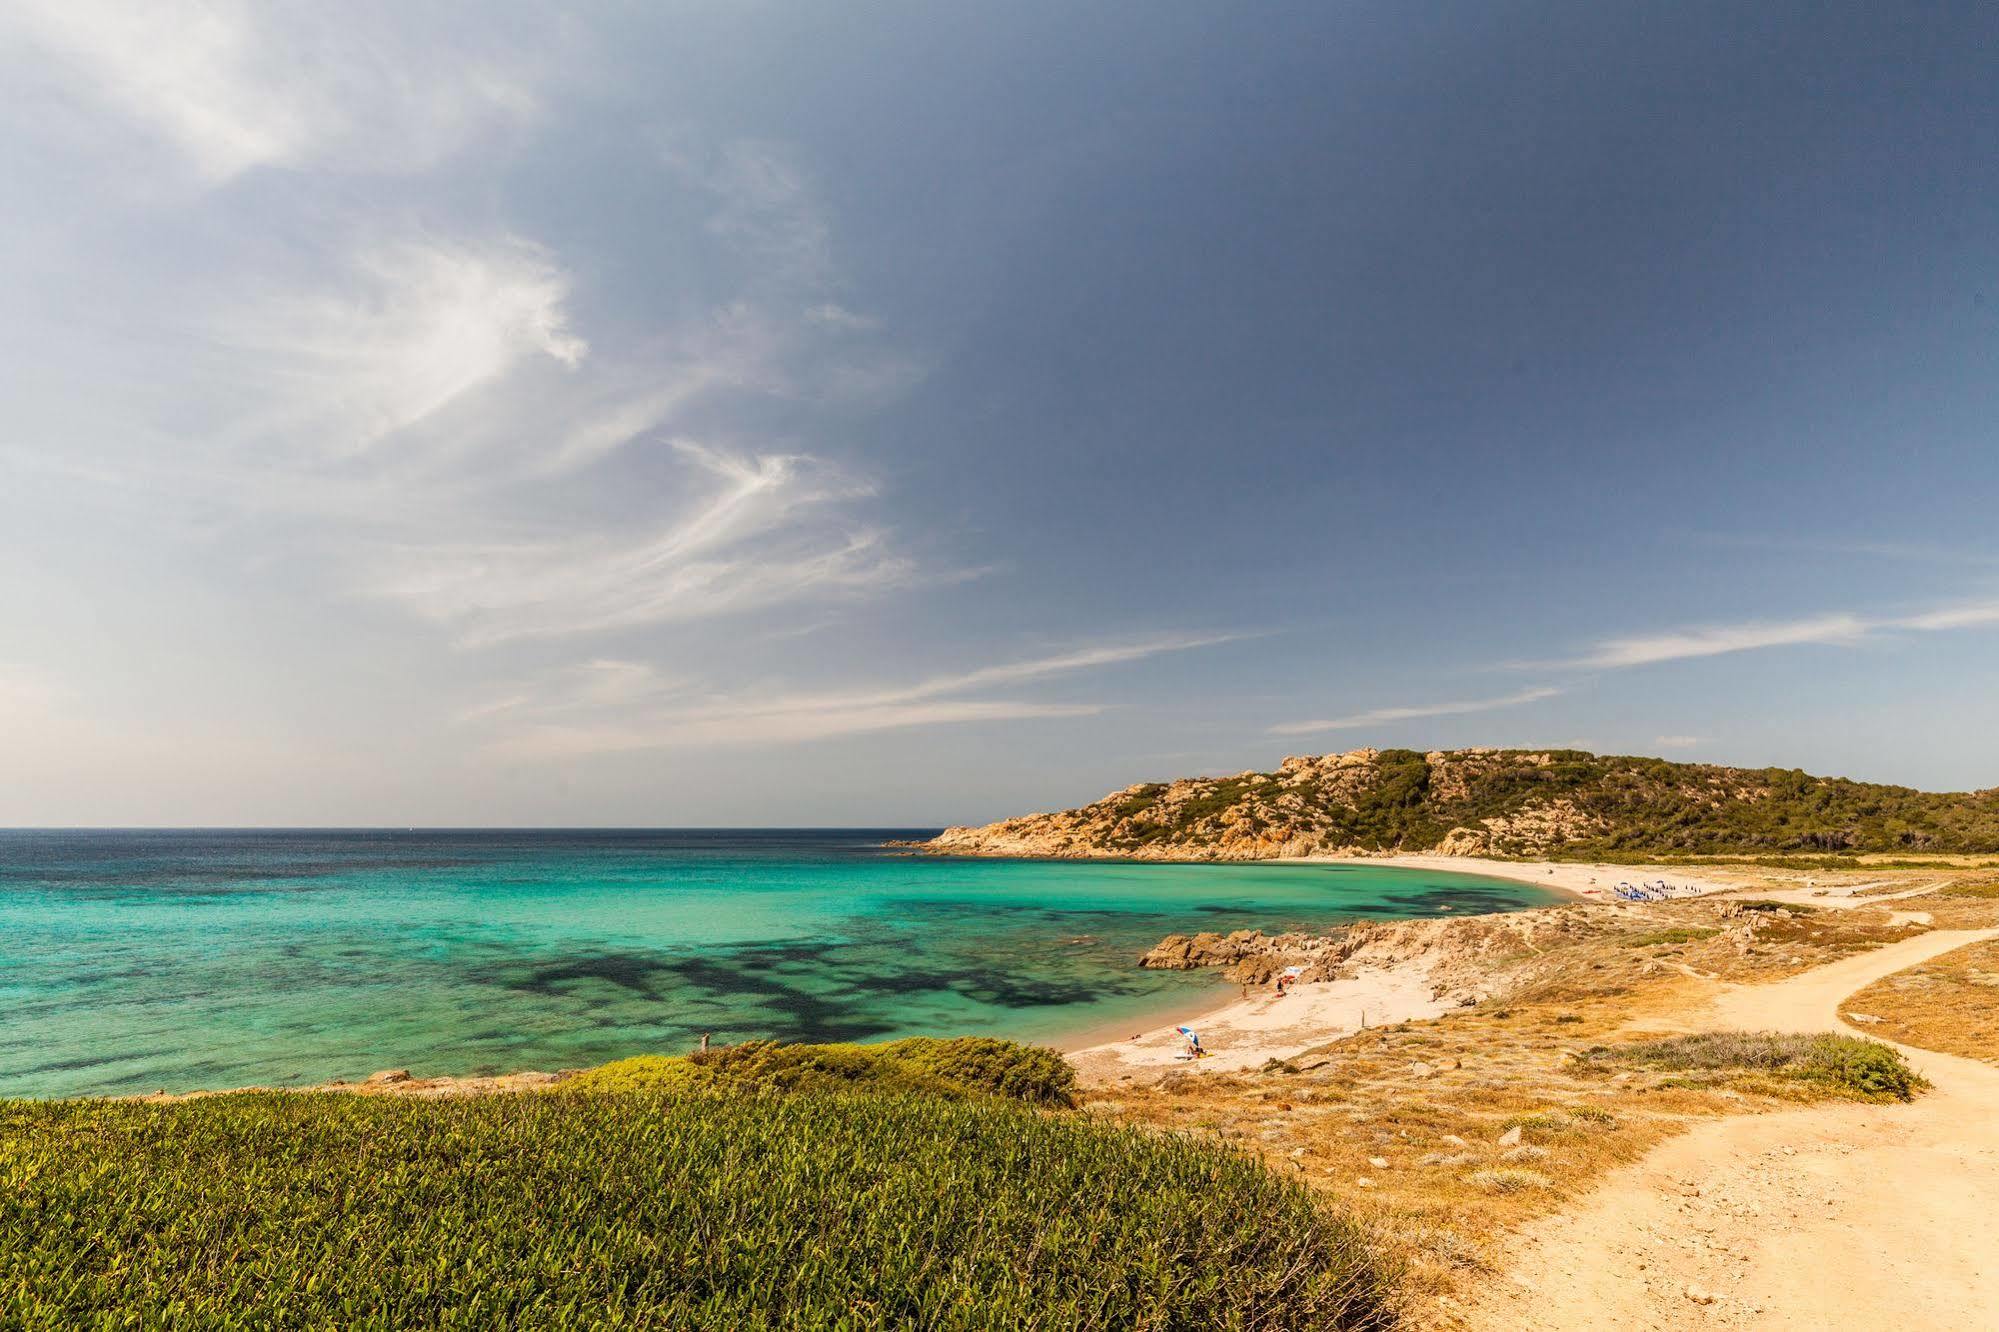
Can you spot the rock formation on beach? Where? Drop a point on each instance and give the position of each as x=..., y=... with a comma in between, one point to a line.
x=1462, y=957
x=1494, y=802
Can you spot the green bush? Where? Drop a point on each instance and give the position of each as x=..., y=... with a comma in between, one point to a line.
x=1030, y=1073
x=1847, y=1064
x=1867, y=1067
x=960, y=1066
x=566, y=1210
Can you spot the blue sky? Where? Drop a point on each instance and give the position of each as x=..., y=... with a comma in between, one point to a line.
x=897, y=414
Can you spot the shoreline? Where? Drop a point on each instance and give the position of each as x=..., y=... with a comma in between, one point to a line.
x=1582, y=881
x=1252, y=1029
x=1098, y=1038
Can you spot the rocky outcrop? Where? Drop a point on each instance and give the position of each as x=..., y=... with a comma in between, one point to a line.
x=1463, y=957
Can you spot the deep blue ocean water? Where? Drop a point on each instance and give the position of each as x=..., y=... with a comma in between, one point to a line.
x=133, y=961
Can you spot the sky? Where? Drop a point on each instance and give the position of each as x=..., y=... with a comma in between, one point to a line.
x=909, y=414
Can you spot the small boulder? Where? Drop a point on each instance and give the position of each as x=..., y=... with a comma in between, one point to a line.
x=1510, y=1138
x=388, y=1077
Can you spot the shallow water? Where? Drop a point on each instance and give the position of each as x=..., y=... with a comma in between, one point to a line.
x=131, y=961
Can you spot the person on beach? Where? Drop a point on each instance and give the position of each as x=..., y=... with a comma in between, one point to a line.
x=1194, y=1050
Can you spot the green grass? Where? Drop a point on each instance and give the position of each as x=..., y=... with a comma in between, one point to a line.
x=705, y=1210
x=1846, y=1065
x=961, y=1066
x=1985, y=891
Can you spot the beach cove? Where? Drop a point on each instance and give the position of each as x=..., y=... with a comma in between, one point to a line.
x=141, y=961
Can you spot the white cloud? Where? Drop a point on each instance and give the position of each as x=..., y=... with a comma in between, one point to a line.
x=1384, y=716
x=232, y=86
x=573, y=713
x=768, y=529
x=1676, y=741
x=832, y=315
x=411, y=327
x=1715, y=640
x=1969, y=616
x=1840, y=628
x=764, y=207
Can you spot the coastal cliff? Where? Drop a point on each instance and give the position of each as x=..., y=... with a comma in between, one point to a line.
x=1495, y=802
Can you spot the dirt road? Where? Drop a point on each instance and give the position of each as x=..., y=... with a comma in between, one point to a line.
x=1854, y=1216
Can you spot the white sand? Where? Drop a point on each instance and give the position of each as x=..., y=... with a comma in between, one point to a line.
x=1247, y=1032
x=1593, y=883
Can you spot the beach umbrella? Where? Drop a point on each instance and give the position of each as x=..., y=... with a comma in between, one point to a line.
x=1294, y=971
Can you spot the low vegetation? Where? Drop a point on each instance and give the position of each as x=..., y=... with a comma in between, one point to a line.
x=1844, y=1065
x=963, y=1066
x=642, y=1209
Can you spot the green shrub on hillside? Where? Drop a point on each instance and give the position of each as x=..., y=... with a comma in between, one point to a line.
x=1611, y=808
x=1846, y=1064
x=736, y=1211
x=959, y=1066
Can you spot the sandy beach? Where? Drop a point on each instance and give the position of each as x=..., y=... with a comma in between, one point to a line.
x=1587, y=882
x=1246, y=1031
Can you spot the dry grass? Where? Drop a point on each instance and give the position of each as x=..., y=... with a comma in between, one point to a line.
x=1950, y=1003
x=1960, y=907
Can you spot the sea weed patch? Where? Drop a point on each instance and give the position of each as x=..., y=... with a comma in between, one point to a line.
x=688, y=1210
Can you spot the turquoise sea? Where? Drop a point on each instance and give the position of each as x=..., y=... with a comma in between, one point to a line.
x=133, y=961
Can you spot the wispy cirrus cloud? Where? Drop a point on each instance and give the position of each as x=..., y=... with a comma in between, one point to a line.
x=608, y=706
x=411, y=326
x=1717, y=640
x=1413, y=712
x=1840, y=628
x=234, y=86
x=767, y=528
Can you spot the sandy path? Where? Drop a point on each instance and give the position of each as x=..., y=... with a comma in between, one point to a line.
x=1837, y=1217
x=1845, y=897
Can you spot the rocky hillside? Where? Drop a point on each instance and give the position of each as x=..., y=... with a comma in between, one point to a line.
x=1496, y=802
